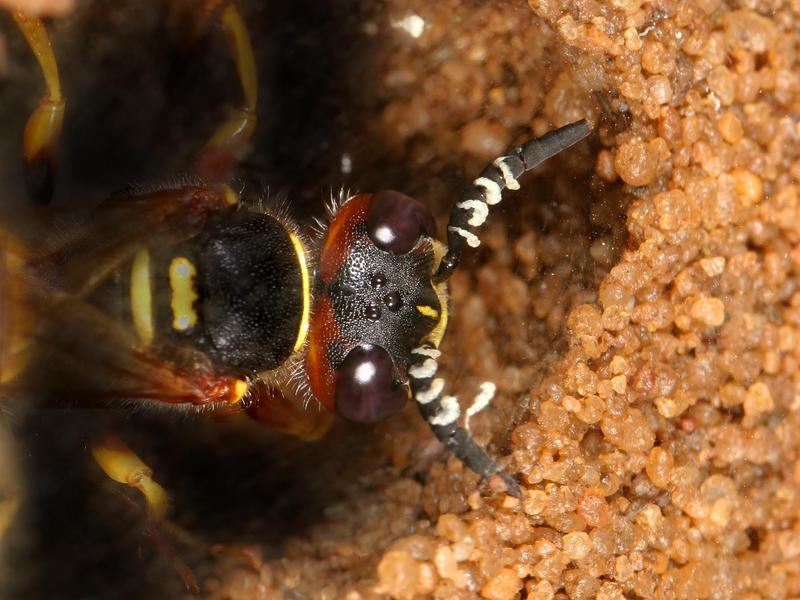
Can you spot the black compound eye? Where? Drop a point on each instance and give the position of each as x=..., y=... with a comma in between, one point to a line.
x=395, y=222
x=366, y=390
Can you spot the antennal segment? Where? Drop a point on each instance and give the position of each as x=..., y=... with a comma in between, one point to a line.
x=471, y=212
x=442, y=414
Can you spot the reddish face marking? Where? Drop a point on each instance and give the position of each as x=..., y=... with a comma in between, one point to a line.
x=323, y=329
x=341, y=235
x=322, y=332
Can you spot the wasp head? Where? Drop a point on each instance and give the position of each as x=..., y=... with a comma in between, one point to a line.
x=375, y=302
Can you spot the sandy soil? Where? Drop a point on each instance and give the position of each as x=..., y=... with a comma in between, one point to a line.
x=636, y=302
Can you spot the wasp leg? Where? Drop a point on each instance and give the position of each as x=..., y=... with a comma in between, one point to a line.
x=122, y=465
x=9, y=506
x=10, y=498
x=10, y=502
x=15, y=318
x=471, y=212
x=15, y=350
x=40, y=141
x=268, y=406
x=218, y=158
x=442, y=414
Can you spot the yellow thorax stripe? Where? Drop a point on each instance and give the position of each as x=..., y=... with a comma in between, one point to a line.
x=142, y=297
x=304, y=318
x=181, y=282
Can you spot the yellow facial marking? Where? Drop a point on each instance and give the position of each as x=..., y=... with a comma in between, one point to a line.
x=427, y=311
x=304, y=318
x=181, y=282
x=142, y=297
x=435, y=336
x=238, y=391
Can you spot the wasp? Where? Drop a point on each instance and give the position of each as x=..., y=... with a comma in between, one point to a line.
x=187, y=296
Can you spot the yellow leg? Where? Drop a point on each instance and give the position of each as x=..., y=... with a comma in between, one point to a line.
x=43, y=129
x=8, y=510
x=123, y=466
x=10, y=494
x=16, y=322
x=220, y=154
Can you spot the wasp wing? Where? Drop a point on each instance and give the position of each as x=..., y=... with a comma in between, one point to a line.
x=120, y=225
